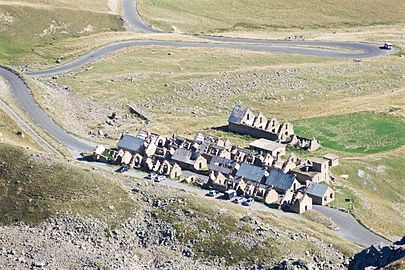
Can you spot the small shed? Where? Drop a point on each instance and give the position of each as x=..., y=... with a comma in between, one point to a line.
x=321, y=194
x=332, y=159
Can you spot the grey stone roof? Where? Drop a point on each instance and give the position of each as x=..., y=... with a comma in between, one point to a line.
x=222, y=165
x=237, y=114
x=280, y=180
x=185, y=155
x=316, y=189
x=130, y=143
x=266, y=145
x=251, y=172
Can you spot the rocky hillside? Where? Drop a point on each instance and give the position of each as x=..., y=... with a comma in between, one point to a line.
x=57, y=215
x=378, y=256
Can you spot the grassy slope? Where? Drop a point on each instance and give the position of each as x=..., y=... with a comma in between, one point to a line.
x=170, y=87
x=376, y=185
x=33, y=190
x=25, y=27
x=91, y=5
x=8, y=133
x=196, y=16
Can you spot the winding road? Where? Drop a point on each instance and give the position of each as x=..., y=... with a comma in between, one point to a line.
x=349, y=228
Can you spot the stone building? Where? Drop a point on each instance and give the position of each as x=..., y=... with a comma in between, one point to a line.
x=242, y=121
x=264, y=146
x=189, y=159
x=321, y=194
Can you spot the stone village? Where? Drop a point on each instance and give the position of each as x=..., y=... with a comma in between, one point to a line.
x=262, y=172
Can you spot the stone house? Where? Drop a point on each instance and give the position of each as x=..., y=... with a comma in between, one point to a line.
x=242, y=155
x=209, y=150
x=264, y=146
x=321, y=194
x=136, y=161
x=98, y=154
x=131, y=144
x=172, y=170
x=332, y=158
x=315, y=170
x=219, y=170
x=269, y=195
x=298, y=202
x=218, y=181
x=223, y=165
x=242, y=121
x=282, y=182
x=238, y=184
x=189, y=160
x=251, y=173
x=152, y=164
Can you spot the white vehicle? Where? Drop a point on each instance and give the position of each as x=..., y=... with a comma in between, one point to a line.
x=239, y=200
x=151, y=176
x=387, y=46
x=160, y=178
x=229, y=194
x=248, y=202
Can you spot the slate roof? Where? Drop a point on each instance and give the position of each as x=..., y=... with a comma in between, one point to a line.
x=130, y=143
x=316, y=189
x=280, y=180
x=237, y=114
x=222, y=165
x=185, y=155
x=251, y=172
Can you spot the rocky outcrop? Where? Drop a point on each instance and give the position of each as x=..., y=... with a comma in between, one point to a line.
x=378, y=256
x=294, y=264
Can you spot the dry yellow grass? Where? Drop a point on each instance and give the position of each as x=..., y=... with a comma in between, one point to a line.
x=207, y=16
x=89, y=5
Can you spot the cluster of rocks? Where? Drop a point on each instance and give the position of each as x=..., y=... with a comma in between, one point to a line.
x=81, y=113
x=279, y=86
x=75, y=243
x=378, y=256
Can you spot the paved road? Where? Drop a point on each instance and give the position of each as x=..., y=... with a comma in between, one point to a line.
x=311, y=48
x=349, y=227
x=26, y=100
x=262, y=46
x=132, y=18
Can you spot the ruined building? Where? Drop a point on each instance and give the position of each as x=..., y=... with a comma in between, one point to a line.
x=244, y=121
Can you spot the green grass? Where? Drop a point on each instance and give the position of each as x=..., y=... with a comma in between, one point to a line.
x=364, y=132
x=24, y=28
x=196, y=16
x=345, y=199
x=32, y=190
